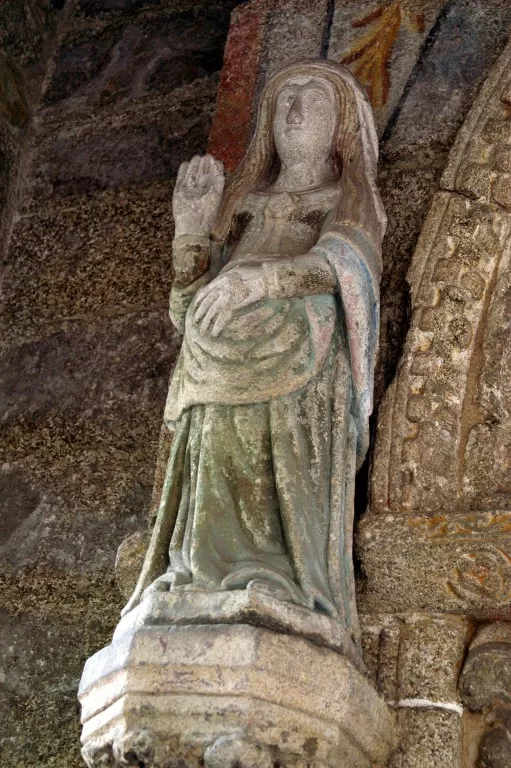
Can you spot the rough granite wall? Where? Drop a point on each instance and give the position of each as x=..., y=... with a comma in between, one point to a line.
x=100, y=101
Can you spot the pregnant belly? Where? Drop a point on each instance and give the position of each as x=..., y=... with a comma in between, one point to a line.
x=267, y=350
x=262, y=330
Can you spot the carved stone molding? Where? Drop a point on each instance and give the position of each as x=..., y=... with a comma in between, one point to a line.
x=444, y=427
x=459, y=562
x=228, y=696
x=485, y=686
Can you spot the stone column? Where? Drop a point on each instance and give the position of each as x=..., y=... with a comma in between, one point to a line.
x=485, y=687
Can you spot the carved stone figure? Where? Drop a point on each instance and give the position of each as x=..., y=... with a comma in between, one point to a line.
x=277, y=293
x=485, y=686
x=240, y=645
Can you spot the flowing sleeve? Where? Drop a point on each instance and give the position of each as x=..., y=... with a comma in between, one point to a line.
x=357, y=268
x=181, y=298
x=196, y=261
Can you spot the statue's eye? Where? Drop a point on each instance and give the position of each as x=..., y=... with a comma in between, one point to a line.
x=286, y=97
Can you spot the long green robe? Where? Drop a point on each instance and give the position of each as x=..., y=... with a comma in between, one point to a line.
x=270, y=420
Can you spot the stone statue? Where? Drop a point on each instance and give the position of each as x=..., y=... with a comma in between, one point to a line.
x=276, y=291
x=240, y=645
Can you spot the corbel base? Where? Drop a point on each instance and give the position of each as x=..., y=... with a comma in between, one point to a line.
x=226, y=696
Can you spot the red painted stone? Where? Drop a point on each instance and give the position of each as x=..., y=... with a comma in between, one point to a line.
x=230, y=132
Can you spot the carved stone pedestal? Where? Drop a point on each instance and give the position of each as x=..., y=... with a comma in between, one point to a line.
x=225, y=695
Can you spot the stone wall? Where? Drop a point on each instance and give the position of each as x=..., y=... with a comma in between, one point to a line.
x=100, y=101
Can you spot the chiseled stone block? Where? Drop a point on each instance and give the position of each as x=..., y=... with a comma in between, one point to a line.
x=431, y=653
x=225, y=695
x=428, y=737
x=415, y=659
x=239, y=606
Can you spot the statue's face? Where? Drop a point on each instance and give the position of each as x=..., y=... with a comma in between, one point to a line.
x=305, y=119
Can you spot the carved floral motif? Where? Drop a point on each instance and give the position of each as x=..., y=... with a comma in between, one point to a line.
x=482, y=572
x=144, y=749
x=481, y=569
x=466, y=556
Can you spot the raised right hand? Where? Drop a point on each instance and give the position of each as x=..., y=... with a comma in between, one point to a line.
x=197, y=195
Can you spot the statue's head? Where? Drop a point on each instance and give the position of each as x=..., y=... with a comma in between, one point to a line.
x=305, y=117
x=315, y=107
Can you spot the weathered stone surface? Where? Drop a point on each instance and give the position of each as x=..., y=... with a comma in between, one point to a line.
x=9, y=158
x=458, y=563
x=300, y=703
x=294, y=30
x=79, y=438
x=249, y=606
x=107, y=9
x=416, y=658
x=380, y=651
x=105, y=501
x=113, y=364
x=239, y=83
x=459, y=284
x=137, y=146
x=13, y=96
x=431, y=653
x=24, y=26
x=76, y=258
x=407, y=192
x=461, y=48
x=75, y=480
x=134, y=58
x=40, y=662
x=429, y=737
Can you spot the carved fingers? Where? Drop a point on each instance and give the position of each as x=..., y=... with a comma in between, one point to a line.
x=213, y=304
x=197, y=195
x=198, y=176
x=216, y=303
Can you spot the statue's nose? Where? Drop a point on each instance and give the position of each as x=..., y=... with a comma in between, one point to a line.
x=295, y=116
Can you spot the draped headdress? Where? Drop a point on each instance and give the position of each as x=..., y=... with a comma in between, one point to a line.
x=354, y=153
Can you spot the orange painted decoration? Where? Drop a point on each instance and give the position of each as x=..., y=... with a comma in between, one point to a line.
x=371, y=53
